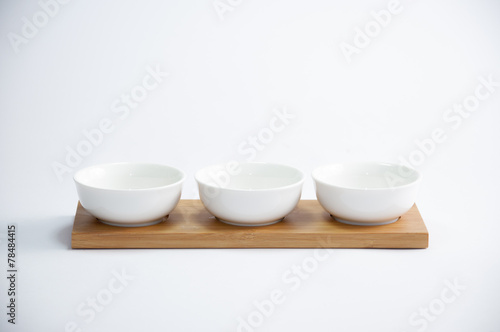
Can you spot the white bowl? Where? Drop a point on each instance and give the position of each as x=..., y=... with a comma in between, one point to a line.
x=129, y=194
x=366, y=193
x=250, y=194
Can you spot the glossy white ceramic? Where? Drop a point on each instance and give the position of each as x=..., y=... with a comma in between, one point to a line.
x=250, y=194
x=129, y=194
x=366, y=193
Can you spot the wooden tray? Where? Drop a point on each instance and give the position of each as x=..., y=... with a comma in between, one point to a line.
x=308, y=226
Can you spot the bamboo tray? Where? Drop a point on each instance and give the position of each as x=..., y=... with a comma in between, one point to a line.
x=190, y=225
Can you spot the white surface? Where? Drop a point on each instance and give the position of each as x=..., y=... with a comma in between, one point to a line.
x=366, y=193
x=249, y=194
x=268, y=83
x=129, y=194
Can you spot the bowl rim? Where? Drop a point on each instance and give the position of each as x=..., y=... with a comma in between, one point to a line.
x=181, y=180
x=209, y=184
x=368, y=163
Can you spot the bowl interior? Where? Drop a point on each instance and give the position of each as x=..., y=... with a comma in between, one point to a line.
x=366, y=175
x=250, y=176
x=126, y=176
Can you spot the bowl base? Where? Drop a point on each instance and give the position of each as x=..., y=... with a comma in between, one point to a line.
x=235, y=223
x=135, y=224
x=359, y=223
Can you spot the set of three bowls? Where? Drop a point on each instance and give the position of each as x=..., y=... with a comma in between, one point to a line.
x=247, y=194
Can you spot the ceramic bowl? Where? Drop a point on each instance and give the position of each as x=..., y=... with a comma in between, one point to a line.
x=366, y=193
x=129, y=194
x=250, y=194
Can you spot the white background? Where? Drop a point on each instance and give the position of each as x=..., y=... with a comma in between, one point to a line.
x=227, y=72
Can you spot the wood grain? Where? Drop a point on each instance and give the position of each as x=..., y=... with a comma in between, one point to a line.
x=308, y=226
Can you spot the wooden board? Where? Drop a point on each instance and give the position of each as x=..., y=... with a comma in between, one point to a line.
x=308, y=226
